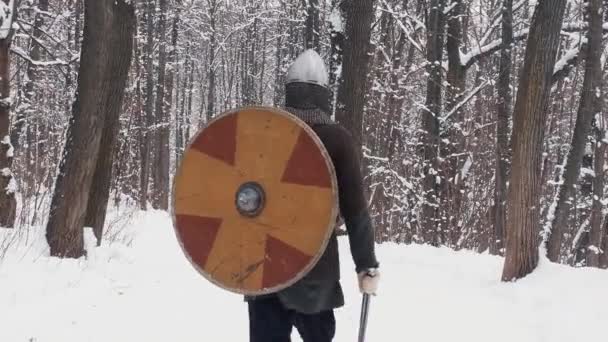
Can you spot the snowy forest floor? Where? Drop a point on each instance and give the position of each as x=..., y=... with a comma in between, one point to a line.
x=138, y=286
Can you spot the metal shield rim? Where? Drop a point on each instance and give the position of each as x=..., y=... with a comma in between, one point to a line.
x=333, y=216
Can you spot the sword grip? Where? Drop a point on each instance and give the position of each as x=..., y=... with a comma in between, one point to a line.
x=363, y=319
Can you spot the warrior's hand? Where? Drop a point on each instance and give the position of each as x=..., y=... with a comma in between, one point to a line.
x=368, y=281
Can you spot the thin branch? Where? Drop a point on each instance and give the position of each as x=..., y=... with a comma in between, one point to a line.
x=464, y=101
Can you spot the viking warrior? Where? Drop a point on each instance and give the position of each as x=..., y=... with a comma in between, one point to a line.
x=309, y=303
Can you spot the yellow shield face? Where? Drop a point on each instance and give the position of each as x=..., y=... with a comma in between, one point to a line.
x=255, y=200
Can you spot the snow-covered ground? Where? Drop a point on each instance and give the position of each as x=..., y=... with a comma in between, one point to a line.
x=141, y=288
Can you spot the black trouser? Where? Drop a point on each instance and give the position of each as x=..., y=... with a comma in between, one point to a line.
x=270, y=321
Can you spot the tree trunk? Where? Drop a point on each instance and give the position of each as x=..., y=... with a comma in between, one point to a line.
x=502, y=131
x=172, y=79
x=100, y=189
x=336, y=51
x=160, y=199
x=353, y=83
x=211, y=71
x=530, y=114
x=108, y=29
x=430, y=123
x=452, y=142
x=146, y=162
x=8, y=203
x=312, y=25
x=589, y=105
x=604, y=256
x=28, y=93
x=596, y=234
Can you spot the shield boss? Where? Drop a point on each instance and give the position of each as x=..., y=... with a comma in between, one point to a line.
x=255, y=200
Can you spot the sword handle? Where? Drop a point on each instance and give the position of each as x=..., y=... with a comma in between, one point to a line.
x=363, y=320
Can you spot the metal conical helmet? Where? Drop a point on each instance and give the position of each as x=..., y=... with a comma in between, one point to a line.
x=308, y=68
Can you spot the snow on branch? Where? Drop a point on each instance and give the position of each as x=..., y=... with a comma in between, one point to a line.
x=19, y=52
x=6, y=18
x=580, y=26
x=604, y=57
x=464, y=101
x=496, y=21
x=478, y=53
x=11, y=187
x=407, y=32
x=449, y=8
x=569, y=59
x=10, y=151
x=337, y=21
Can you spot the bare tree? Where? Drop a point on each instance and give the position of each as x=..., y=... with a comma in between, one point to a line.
x=430, y=122
x=588, y=107
x=353, y=83
x=162, y=115
x=8, y=203
x=312, y=25
x=502, y=130
x=105, y=61
x=147, y=150
x=530, y=115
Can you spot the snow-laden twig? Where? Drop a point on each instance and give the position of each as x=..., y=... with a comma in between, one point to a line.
x=548, y=226
x=469, y=58
x=475, y=54
x=570, y=58
x=579, y=234
x=496, y=21
x=403, y=28
x=22, y=54
x=464, y=101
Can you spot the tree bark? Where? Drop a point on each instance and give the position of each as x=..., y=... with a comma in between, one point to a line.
x=353, y=83
x=8, y=202
x=430, y=123
x=452, y=142
x=108, y=29
x=604, y=256
x=102, y=179
x=28, y=92
x=172, y=80
x=530, y=114
x=312, y=25
x=502, y=131
x=589, y=105
x=596, y=234
x=149, y=107
x=211, y=71
x=160, y=199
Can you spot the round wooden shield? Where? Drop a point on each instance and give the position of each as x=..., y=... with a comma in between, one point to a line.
x=255, y=200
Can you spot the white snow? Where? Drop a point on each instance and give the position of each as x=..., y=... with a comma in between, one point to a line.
x=10, y=153
x=309, y=68
x=479, y=50
x=570, y=55
x=466, y=167
x=11, y=188
x=6, y=18
x=336, y=20
x=141, y=288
